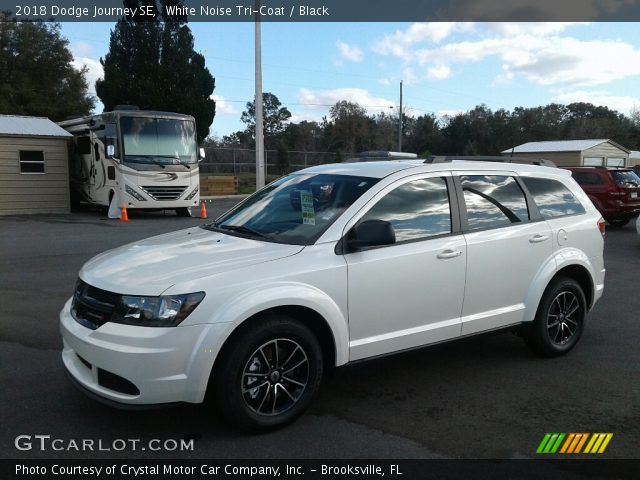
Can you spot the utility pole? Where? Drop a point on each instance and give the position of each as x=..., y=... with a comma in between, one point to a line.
x=400, y=121
x=258, y=104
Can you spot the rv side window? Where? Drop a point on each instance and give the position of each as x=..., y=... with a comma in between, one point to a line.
x=83, y=146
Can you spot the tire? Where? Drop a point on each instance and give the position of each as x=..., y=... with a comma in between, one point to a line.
x=183, y=212
x=563, y=303
x=278, y=398
x=618, y=222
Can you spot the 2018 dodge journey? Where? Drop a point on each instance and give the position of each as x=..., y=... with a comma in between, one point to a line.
x=327, y=266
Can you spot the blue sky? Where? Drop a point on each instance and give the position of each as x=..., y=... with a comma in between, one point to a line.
x=446, y=67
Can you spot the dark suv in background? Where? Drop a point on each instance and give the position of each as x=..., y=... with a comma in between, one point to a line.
x=614, y=191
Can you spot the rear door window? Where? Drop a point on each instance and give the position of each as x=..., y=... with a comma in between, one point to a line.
x=585, y=178
x=553, y=198
x=493, y=201
x=626, y=178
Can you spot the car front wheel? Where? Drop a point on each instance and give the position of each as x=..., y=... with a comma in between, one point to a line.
x=269, y=374
x=560, y=319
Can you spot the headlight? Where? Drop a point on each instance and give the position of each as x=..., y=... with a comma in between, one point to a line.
x=134, y=194
x=165, y=311
x=192, y=194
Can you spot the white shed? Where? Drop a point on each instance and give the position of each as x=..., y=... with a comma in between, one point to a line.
x=575, y=153
x=34, y=172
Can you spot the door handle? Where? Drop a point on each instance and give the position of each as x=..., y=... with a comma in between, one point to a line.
x=449, y=254
x=539, y=238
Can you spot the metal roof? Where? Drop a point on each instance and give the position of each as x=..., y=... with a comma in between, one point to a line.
x=561, y=146
x=16, y=125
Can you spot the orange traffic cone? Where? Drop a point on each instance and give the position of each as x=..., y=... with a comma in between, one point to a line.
x=203, y=210
x=123, y=214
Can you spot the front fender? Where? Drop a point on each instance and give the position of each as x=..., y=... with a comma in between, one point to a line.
x=239, y=308
x=562, y=258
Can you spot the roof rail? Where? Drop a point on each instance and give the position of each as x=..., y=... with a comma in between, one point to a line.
x=489, y=158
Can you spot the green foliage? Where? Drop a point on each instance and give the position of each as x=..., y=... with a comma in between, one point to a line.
x=38, y=77
x=282, y=158
x=479, y=131
x=274, y=115
x=153, y=64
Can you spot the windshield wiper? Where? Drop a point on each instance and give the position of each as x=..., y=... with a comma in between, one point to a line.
x=242, y=229
x=175, y=158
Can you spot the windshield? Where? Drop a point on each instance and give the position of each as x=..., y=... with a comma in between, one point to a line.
x=158, y=140
x=295, y=209
x=626, y=177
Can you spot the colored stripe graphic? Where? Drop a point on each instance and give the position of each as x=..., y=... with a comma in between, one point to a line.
x=550, y=443
x=598, y=442
x=574, y=443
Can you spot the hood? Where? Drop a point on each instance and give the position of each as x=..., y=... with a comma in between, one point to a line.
x=150, y=266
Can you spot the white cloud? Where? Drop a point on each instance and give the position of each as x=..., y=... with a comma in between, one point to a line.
x=223, y=106
x=94, y=70
x=384, y=81
x=323, y=99
x=539, y=53
x=621, y=103
x=399, y=43
x=351, y=53
x=439, y=72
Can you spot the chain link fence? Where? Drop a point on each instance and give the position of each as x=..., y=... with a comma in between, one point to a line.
x=242, y=161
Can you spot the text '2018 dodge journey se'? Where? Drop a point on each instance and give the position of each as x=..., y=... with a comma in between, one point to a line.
x=330, y=265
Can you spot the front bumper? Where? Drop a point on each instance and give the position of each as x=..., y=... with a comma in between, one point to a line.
x=166, y=365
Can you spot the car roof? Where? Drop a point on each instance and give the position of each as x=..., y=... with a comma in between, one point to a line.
x=385, y=168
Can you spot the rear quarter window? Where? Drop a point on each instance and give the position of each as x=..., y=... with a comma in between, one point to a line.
x=553, y=198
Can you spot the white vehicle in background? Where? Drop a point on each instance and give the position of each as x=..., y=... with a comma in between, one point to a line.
x=135, y=158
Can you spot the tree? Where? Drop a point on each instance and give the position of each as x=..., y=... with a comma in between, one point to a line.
x=282, y=158
x=274, y=115
x=350, y=129
x=153, y=64
x=38, y=77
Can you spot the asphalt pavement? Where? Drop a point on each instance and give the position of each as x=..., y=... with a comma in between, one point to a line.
x=481, y=397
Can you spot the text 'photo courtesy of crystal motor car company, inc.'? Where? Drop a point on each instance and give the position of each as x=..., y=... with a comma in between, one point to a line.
x=331, y=265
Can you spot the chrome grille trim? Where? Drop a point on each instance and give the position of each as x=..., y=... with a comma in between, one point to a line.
x=161, y=192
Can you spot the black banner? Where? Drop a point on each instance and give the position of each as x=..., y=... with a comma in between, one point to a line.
x=332, y=10
x=320, y=469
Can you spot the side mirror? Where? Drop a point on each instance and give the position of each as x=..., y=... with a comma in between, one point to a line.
x=201, y=154
x=111, y=151
x=370, y=233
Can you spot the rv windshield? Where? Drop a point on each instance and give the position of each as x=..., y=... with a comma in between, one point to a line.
x=158, y=140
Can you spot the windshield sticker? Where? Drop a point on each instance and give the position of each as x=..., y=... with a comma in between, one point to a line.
x=306, y=206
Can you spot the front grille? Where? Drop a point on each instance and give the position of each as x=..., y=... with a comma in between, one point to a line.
x=164, y=192
x=91, y=306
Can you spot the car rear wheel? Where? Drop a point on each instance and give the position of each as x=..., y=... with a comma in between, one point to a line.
x=560, y=319
x=268, y=376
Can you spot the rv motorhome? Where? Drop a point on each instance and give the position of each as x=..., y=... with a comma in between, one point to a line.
x=135, y=158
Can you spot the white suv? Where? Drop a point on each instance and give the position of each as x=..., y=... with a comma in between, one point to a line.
x=327, y=266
